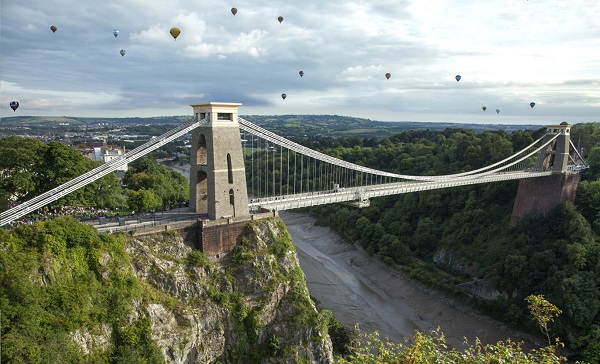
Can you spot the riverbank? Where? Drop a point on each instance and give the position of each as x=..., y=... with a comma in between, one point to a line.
x=361, y=290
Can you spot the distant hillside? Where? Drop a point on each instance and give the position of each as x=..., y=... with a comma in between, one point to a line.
x=344, y=126
x=296, y=126
x=87, y=121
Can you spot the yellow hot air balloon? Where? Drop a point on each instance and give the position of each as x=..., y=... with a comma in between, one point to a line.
x=175, y=32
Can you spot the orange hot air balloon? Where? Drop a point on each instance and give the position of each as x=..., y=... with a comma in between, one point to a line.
x=280, y=18
x=233, y=11
x=53, y=29
x=175, y=32
x=388, y=75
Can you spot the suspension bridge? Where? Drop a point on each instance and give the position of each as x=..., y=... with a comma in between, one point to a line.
x=238, y=168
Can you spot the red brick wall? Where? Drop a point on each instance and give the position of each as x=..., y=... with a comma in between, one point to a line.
x=221, y=238
x=538, y=196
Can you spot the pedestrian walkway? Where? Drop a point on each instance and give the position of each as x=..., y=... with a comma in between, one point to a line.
x=143, y=220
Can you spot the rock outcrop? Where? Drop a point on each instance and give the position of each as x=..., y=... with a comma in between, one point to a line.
x=249, y=306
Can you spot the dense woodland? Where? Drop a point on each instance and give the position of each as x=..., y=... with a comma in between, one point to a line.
x=557, y=255
x=31, y=167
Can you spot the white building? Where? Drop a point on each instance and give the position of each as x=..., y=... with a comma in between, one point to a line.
x=106, y=154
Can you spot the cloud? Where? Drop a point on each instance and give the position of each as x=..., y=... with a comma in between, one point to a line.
x=507, y=54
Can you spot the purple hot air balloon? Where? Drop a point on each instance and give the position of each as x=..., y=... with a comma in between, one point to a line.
x=532, y=104
x=14, y=105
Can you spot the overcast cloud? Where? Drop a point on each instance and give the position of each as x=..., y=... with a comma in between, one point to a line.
x=508, y=53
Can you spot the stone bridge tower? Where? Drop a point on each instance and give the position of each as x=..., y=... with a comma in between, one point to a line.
x=217, y=172
x=538, y=196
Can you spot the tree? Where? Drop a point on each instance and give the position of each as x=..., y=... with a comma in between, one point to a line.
x=19, y=160
x=143, y=200
x=31, y=168
x=543, y=313
x=148, y=174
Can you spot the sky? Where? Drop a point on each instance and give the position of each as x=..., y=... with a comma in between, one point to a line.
x=509, y=53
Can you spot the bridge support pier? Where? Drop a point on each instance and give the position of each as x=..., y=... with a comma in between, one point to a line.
x=217, y=172
x=538, y=196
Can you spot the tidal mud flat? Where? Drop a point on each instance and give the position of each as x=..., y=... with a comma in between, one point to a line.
x=361, y=290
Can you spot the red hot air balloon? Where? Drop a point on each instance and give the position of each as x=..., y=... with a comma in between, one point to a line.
x=53, y=29
x=388, y=75
x=14, y=105
x=233, y=11
x=280, y=18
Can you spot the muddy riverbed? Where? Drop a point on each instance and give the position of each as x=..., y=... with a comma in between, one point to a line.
x=361, y=290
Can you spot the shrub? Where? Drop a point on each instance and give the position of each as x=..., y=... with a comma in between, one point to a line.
x=197, y=259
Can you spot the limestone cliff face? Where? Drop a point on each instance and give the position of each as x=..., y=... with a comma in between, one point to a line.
x=249, y=306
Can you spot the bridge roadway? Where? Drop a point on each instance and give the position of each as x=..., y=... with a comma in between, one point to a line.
x=145, y=220
x=362, y=194
x=357, y=195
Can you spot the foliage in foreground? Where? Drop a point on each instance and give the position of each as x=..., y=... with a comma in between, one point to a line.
x=432, y=347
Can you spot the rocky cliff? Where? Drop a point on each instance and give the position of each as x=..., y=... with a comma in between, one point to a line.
x=250, y=306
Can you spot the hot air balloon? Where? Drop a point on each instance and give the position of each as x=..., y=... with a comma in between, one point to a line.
x=115, y=33
x=233, y=11
x=175, y=32
x=532, y=104
x=123, y=53
x=283, y=96
x=497, y=111
x=484, y=108
x=457, y=77
x=301, y=73
x=14, y=105
x=280, y=18
x=53, y=29
x=388, y=75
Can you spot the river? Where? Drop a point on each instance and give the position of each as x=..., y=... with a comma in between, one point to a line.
x=360, y=290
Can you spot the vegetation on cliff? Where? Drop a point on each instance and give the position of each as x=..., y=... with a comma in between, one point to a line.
x=71, y=295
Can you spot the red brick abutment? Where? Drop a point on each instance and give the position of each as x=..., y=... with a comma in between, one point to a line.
x=212, y=237
x=538, y=196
